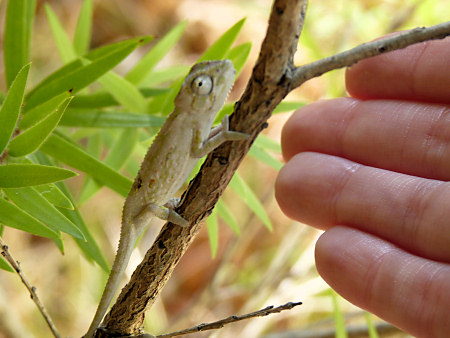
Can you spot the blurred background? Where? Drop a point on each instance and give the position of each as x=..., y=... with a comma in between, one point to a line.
x=252, y=269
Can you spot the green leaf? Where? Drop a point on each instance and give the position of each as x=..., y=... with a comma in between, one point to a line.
x=5, y=266
x=83, y=71
x=248, y=196
x=145, y=66
x=14, y=217
x=40, y=112
x=225, y=213
x=259, y=151
x=37, y=206
x=238, y=55
x=63, y=43
x=339, y=320
x=265, y=157
x=286, y=106
x=26, y=175
x=84, y=27
x=117, y=156
x=372, y=330
x=268, y=143
x=169, y=74
x=108, y=119
x=89, y=246
x=103, y=99
x=67, y=152
x=212, y=225
x=124, y=92
x=17, y=39
x=55, y=196
x=9, y=112
x=32, y=138
x=220, y=48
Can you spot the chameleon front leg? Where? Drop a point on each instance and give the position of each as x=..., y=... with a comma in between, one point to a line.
x=216, y=137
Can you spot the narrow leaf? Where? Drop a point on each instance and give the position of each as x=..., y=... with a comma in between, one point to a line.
x=38, y=113
x=265, y=157
x=248, y=196
x=37, y=206
x=225, y=213
x=5, y=266
x=89, y=246
x=62, y=40
x=67, y=152
x=26, y=175
x=109, y=119
x=165, y=75
x=118, y=155
x=212, y=225
x=81, y=72
x=145, y=66
x=372, y=330
x=103, y=99
x=124, y=92
x=286, y=106
x=84, y=27
x=14, y=217
x=339, y=320
x=32, y=138
x=18, y=27
x=220, y=48
x=9, y=112
x=52, y=193
x=238, y=55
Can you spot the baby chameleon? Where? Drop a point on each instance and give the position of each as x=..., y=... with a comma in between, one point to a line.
x=184, y=138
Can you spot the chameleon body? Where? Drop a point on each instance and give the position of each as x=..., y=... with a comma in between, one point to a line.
x=185, y=137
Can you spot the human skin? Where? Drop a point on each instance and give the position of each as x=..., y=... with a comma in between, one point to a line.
x=372, y=170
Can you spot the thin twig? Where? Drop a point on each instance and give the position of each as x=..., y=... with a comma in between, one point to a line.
x=232, y=319
x=31, y=289
x=369, y=49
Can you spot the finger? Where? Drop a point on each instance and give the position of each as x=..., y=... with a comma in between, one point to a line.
x=408, y=291
x=408, y=211
x=408, y=137
x=420, y=72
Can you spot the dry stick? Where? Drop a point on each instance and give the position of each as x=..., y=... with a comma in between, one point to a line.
x=33, y=294
x=232, y=319
x=273, y=77
x=369, y=49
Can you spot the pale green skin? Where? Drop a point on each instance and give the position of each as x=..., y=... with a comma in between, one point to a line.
x=185, y=137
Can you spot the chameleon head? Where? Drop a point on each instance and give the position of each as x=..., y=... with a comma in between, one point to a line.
x=206, y=87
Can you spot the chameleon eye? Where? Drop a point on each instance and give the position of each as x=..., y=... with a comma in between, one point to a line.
x=202, y=84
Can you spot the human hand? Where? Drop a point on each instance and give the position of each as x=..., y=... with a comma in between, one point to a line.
x=372, y=171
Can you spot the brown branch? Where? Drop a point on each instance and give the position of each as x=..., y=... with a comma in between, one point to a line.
x=369, y=49
x=31, y=289
x=273, y=77
x=232, y=319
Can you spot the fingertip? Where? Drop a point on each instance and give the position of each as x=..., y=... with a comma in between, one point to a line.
x=409, y=291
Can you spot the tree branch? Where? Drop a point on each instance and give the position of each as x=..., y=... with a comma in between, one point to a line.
x=273, y=77
x=369, y=49
x=232, y=319
x=31, y=289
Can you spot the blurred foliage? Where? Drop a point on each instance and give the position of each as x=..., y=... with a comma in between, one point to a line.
x=98, y=89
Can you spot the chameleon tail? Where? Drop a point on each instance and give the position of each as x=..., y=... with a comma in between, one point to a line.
x=126, y=246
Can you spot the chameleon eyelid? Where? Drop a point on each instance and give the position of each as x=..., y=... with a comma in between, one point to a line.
x=202, y=84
